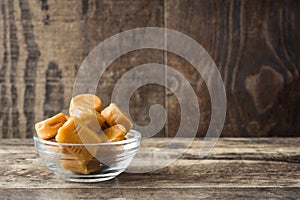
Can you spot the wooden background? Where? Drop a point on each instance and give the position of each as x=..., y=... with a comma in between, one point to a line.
x=255, y=44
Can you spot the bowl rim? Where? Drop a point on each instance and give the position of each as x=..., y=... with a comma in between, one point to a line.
x=136, y=137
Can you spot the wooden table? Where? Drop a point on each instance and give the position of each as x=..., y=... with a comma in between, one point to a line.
x=236, y=168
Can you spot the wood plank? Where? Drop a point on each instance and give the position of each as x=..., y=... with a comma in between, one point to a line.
x=253, y=43
x=43, y=43
x=270, y=166
x=146, y=193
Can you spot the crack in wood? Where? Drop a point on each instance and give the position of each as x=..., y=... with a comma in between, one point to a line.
x=241, y=157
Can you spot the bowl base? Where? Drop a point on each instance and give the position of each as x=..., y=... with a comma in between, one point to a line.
x=89, y=178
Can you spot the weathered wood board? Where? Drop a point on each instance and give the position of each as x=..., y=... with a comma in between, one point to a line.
x=45, y=42
x=255, y=44
x=236, y=168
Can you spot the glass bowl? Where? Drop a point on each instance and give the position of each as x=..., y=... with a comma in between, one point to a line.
x=109, y=160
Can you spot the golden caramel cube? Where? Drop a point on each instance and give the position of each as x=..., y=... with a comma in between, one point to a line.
x=86, y=107
x=71, y=162
x=115, y=133
x=88, y=101
x=113, y=115
x=48, y=128
x=91, y=118
x=76, y=132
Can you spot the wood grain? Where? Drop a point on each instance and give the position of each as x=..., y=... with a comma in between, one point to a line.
x=251, y=43
x=255, y=44
x=116, y=17
x=142, y=193
x=44, y=43
x=30, y=45
x=236, y=168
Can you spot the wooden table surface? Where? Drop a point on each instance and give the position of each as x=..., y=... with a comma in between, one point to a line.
x=236, y=168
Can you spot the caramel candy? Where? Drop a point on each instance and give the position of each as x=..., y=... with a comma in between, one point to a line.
x=76, y=132
x=115, y=133
x=91, y=118
x=86, y=107
x=113, y=115
x=88, y=101
x=71, y=162
x=48, y=128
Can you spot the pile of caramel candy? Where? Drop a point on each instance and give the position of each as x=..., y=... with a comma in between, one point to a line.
x=86, y=124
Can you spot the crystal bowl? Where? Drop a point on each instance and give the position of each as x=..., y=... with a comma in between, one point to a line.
x=110, y=159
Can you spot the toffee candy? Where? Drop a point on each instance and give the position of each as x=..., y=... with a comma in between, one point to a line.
x=75, y=132
x=89, y=101
x=115, y=133
x=48, y=128
x=113, y=115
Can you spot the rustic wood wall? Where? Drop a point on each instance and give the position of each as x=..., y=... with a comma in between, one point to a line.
x=255, y=43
